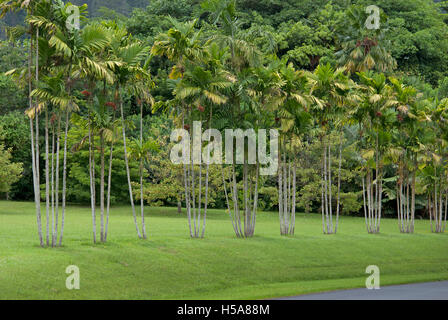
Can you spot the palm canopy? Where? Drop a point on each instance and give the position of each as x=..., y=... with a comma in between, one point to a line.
x=295, y=118
x=79, y=50
x=202, y=87
x=179, y=44
x=364, y=49
x=378, y=99
x=130, y=72
x=141, y=150
x=7, y=6
x=332, y=88
x=52, y=91
x=223, y=14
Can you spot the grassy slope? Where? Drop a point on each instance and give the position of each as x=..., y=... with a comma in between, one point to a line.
x=171, y=266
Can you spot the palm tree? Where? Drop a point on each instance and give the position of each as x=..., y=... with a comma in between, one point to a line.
x=81, y=54
x=244, y=109
x=140, y=151
x=182, y=46
x=202, y=87
x=408, y=139
x=294, y=120
x=435, y=173
x=73, y=53
x=333, y=90
x=13, y=6
x=52, y=93
x=179, y=44
x=375, y=116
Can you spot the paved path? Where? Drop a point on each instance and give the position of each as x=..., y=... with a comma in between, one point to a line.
x=420, y=291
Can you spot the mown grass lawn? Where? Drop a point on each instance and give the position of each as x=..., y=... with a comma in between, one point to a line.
x=172, y=266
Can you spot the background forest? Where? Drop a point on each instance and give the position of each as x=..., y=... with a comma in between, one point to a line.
x=304, y=33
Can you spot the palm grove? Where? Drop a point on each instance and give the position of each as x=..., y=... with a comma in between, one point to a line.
x=356, y=132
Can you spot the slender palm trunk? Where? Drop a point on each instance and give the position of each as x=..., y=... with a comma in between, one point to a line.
x=330, y=193
x=53, y=226
x=64, y=177
x=192, y=183
x=194, y=201
x=58, y=136
x=207, y=175
x=365, y=204
x=446, y=209
x=236, y=204
x=109, y=185
x=47, y=178
x=255, y=199
x=327, y=187
x=293, y=204
x=377, y=186
x=430, y=211
x=92, y=178
x=372, y=194
x=285, y=190
x=339, y=188
x=102, y=147
x=186, y=186
x=287, y=177
x=246, y=199
x=244, y=226
x=128, y=174
x=37, y=129
x=323, y=205
x=64, y=170
x=35, y=139
x=232, y=219
x=280, y=191
x=446, y=205
x=142, y=202
x=109, y=181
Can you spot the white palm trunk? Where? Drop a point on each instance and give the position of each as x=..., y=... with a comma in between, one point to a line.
x=142, y=202
x=102, y=146
x=128, y=174
x=109, y=186
x=64, y=178
x=338, y=206
x=35, y=139
x=194, y=178
x=52, y=186
x=437, y=205
x=287, y=177
x=54, y=242
x=47, y=179
x=92, y=180
x=244, y=226
x=327, y=190
x=372, y=195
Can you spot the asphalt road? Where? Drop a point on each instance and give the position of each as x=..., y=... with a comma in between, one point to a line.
x=420, y=291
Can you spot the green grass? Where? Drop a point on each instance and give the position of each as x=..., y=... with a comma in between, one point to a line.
x=171, y=266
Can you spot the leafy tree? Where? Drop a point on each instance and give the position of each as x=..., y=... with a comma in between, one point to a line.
x=10, y=172
x=332, y=88
x=364, y=49
x=130, y=75
x=15, y=137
